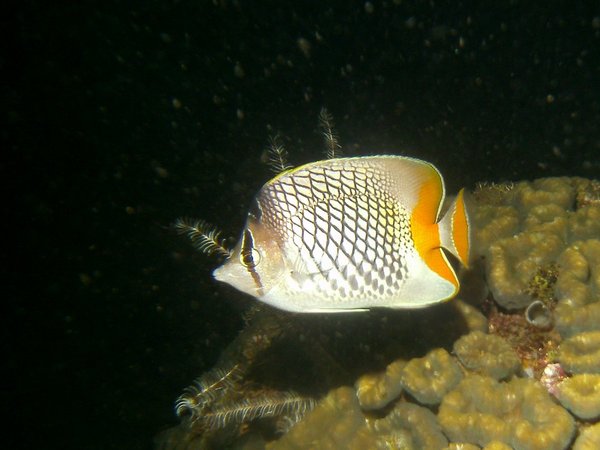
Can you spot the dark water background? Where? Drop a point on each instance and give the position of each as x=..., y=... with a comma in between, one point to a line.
x=120, y=116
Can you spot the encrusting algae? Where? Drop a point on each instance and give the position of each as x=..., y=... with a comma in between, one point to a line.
x=513, y=363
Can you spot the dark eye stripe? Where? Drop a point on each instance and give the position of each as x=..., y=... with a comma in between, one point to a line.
x=247, y=246
x=247, y=259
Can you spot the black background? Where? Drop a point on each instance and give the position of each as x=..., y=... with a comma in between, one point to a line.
x=120, y=116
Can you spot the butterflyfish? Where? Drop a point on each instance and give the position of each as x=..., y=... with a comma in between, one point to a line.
x=351, y=234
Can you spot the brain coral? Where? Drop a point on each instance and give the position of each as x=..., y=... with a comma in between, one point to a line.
x=374, y=391
x=581, y=395
x=488, y=354
x=578, y=287
x=532, y=224
x=471, y=315
x=429, y=378
x=462, y=446
x=336, y=422
x=494, y=445
x=580, y=283
x=581, y=353
x=589, y=438
x=519, y=413
x=497, y=445
x=409, y=426
x=572, y=320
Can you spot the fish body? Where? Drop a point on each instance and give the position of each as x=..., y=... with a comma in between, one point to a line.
x=351, y=234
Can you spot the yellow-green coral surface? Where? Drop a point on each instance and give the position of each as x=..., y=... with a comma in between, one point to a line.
x=531, y=224
x=589, y=438
x=429, y=378
x=337, y=422
x=519, y=413
x=581, y=353
x=376, y=390
x=487, y=354
x=580, y=394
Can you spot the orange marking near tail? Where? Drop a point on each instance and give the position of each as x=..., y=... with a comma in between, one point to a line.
x=425, y=232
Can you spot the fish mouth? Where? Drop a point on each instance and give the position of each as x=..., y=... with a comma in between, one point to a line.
x=217, y=273
x=241, y=278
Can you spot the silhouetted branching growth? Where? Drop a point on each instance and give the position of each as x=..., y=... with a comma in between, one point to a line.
x=204, y=236
x=258, y=406
x=277, y=155
x=334, y=149
x=205, y=390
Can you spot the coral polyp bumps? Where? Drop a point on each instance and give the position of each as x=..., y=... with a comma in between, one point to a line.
x=514, y=363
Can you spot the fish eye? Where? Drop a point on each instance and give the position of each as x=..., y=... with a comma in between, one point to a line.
x=250, y=258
